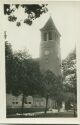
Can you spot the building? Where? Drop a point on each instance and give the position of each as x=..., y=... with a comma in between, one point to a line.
x=30, y=102
x=13, y=101
x=50, y=58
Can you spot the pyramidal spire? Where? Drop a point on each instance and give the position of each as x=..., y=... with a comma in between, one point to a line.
x=50, y=25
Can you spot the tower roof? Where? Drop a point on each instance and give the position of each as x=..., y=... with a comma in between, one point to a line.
x=50, y=25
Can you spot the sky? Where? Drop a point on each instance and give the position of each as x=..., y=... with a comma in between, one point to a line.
x=29, y=37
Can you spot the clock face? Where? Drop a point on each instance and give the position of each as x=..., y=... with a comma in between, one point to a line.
x=46, y=52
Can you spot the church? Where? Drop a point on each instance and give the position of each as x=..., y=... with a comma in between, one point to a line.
x=50, y=59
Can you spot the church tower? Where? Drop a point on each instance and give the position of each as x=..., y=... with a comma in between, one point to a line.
x=50, y=57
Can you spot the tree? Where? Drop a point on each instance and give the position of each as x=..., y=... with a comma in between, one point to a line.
x=22, y=74
x=8, y=66
x=70, y=78
x=28, y=76
x=52, y=88
x=32, y=12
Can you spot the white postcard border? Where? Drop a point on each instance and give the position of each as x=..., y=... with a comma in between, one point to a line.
x=3, y=118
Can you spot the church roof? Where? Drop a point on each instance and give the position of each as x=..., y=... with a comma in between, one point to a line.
x=50, y=25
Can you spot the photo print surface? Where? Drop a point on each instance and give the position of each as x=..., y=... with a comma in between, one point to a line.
x=40, y=60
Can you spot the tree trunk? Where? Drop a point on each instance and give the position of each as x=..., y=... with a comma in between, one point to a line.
x=74, y=112
x=74, y=104
x=74, y=108
x=58, y=109
x=23, y=98
x=46, y=104
x=58, y=106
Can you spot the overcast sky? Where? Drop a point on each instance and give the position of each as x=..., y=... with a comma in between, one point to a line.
x=28, y=37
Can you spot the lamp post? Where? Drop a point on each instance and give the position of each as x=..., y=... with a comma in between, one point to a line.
x=5, y=35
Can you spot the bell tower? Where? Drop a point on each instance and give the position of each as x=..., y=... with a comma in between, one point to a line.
x=50, y=57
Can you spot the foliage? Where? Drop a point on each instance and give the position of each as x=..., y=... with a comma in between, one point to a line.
x=32, y=12
x=70, y=78
x=69, y=72
x=51, y=82
x=22, y=73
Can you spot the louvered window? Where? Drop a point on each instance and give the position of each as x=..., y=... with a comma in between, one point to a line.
x=50, y=36
x=45, y=37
